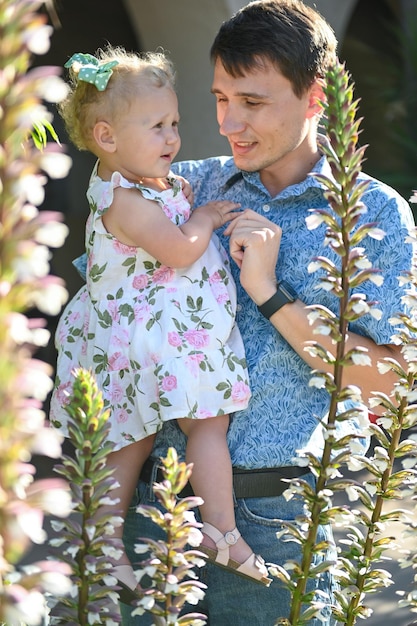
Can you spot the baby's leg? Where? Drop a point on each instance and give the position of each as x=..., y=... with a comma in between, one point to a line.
x=212, y=477
x=127, y=464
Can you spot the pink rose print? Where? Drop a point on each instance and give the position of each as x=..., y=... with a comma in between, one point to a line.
x=73, y=317
x=215, y=278
x=197, y=338
x=174, y=339
x=220, y=292
x=63, y=393
x=203, y=414
x=169, y=383
x=120, y=338
x=62, y=334
x=118, y=361
x=122, y=416
x=140, y=281
x=113, y=309
x=192, y=363
x=142, y=312
x=163, y=275
x=122, y=248
x=84, y=296
x=240, y=392
x=166, y=209
x=116, y=393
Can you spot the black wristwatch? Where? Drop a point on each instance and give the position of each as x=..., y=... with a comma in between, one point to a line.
x=285, y=295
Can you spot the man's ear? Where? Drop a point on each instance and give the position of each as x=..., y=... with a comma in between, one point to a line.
x=104, y=136
x=316, y=98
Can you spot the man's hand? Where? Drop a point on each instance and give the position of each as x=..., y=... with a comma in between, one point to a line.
x=254, y=246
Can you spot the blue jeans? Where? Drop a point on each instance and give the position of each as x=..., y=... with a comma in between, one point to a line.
x=231, y=600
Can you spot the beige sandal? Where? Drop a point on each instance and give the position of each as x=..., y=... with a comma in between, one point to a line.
x=253, y=568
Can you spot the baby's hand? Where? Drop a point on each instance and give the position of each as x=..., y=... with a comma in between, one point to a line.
x=186, y=189
x=220, y=211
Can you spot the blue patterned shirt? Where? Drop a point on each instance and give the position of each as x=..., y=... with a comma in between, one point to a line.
x=283, y=413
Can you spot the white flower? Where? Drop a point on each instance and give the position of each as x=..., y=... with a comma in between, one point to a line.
x=51, y=298
x=362, y=263
x=376, y=233
x=52, y=234
x=51, y=495
x=52, y=89
x=385, y=422
x=29, y=608
x=194, y=595
x=322, y=329
x=376, y=313
x=313, y=267
x=141, y=548
x=359, y=358
x=360, y=307
x=31, y=187
x=93, y=618
x=314, y=220
x=37, y=37
x=32, y=261
x=377, y=279
x=317, y=381
x=384, y=367
x=352, y=493
x=55, y=164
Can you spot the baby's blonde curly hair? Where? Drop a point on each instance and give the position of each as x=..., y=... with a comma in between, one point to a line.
x=85, y=104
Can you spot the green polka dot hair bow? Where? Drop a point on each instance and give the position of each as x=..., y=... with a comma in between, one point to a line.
x=89, y=69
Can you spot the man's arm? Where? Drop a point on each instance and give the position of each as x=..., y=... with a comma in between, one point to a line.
x=254, y=245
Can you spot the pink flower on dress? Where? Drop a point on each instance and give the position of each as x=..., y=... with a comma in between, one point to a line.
x=163, y=275
x=142, y=312
x=140, y=281
x=169, y=383
x=63, y=393
x=203, y=414
x=120, y=338
x=122, y=248
x=122, y=416
x=192, y=363
x=220, y=292
x=240, y=392
x=118, y=361
x=168, y=212
x=197, y=338
x=116, y=393
x=113, y=309
x=215, y=278
x=62, y=334
x=84, y=296
x=174, y=339
x=74, y=317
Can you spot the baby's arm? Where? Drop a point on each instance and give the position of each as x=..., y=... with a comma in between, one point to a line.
x=135, y=221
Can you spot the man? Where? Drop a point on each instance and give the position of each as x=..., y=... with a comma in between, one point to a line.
x=269, y=63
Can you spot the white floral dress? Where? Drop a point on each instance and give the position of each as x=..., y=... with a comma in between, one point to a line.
x=161, y=342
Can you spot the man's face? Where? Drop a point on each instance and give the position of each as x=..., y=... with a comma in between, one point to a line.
x=266, y=124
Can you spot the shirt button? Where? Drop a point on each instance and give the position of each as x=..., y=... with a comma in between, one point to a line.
x=266, y=208
x=238, y=307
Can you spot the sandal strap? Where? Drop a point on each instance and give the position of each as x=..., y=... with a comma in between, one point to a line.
x=222, y=541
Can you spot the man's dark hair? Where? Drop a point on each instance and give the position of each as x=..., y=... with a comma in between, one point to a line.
x=289, y=34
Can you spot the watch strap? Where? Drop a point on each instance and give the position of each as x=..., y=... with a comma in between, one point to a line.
x=285, y=294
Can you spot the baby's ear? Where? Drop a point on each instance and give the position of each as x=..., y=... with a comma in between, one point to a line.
x=104, y=137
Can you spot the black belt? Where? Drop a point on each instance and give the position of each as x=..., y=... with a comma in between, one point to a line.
x=256, y=483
